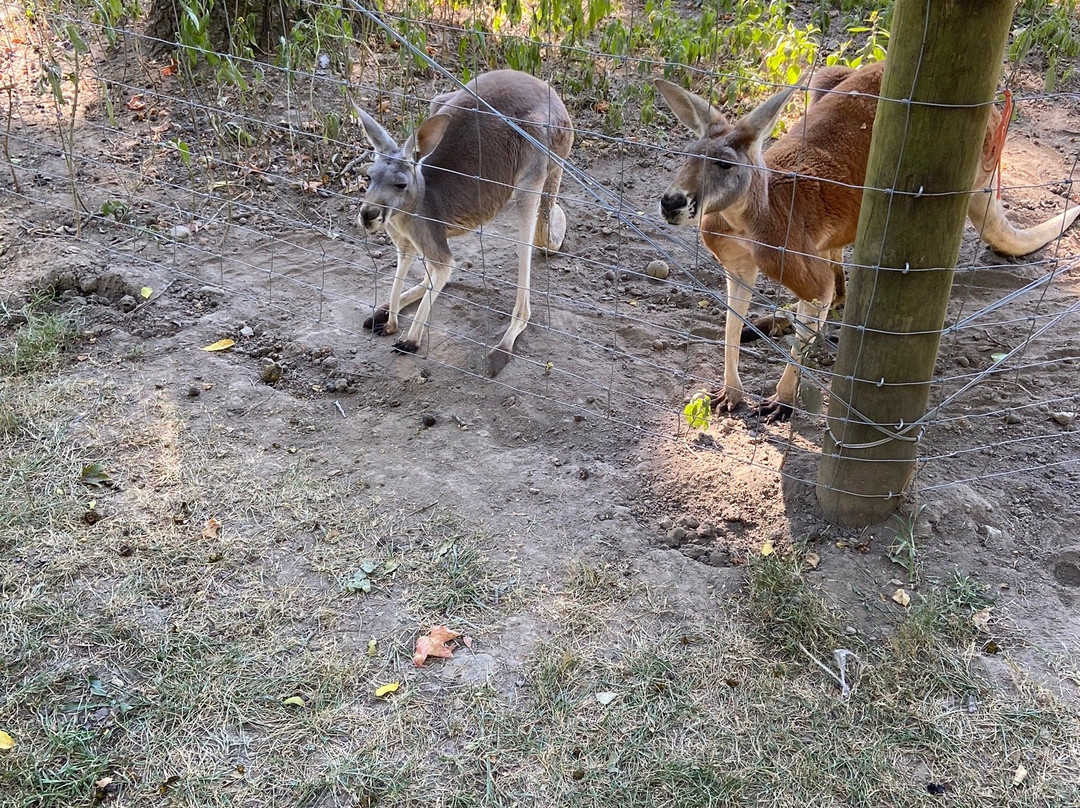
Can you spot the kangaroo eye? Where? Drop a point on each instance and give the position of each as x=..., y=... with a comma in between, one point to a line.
x=401, y=186
x=724, y=165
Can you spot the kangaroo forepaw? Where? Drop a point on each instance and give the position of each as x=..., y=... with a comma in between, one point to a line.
x=376, y=321
x=498, y=358
x=405, y=346
x=775, y=411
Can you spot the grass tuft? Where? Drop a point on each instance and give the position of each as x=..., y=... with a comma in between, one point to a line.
x=37, y=343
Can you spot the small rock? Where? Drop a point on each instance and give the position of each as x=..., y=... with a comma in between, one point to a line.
x=675, y=537
x=609, y=275
x=992, y=533
x=127, y=303
x=212, y=291
x=1013, y=418
x=963, y=362
x=340, y=385
x=1063, y=418
x=88, y=285
x=179, y=232
x=690, y=522
x=428, y=420
x=706, y=530
x=579, y=417
x=657, y=269
x=659, y=345
x=193, y=391
x=851, y=631
x=247, y=331
x=665, y=523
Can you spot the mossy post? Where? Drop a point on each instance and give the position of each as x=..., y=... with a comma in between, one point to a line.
x=943, y=65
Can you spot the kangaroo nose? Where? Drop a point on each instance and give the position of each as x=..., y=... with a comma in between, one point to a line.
x=672, y=202
x=368, y=215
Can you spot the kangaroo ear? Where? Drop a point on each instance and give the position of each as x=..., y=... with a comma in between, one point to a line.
x=423, y=141
x=378, y=137
x=757, y=125
x=693, y=111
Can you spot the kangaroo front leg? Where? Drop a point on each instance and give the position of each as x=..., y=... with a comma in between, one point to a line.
x=436, y=274
x=384, y=320
x=527, y=203
x=809, y=317
x=741, y=274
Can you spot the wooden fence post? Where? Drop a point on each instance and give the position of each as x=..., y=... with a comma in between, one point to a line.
x=944, y=61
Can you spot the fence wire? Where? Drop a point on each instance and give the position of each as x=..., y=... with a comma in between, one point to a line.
x=247, y=172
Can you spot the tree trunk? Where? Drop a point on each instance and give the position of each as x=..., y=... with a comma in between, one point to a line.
x=941, y=52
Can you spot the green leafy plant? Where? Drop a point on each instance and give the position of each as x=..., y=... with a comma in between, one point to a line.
x=1050, y=28
x=698, y=411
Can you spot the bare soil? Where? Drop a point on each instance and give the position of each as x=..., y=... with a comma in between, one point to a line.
x=578, y=451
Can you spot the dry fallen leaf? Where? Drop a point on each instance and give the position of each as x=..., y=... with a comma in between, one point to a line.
x=211, y=528
x=811, y=561
x=981, y=619
x=387, y=689
x=136, y=103
x=371, y=647
x=767, y=549
x=220, y=345
x=605, y=698
x=294, y=701
x=145, y=292
x=1020, y=775
x=434, y=644
x=6, y=741
x=901, y=597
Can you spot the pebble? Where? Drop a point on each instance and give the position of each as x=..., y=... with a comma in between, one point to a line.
x=193, y=391
x=1013, y=418
x=428, y=420
x=270, y=373
x=180, y=232
x=963, y=362
x=675, y=537
x=340, y=385
x=992, y=533
x=127, y=303
x=1063, y=418
x=659, y=345
x=657, y=269
x=609, y=275
x=212, y=291
x=247, y=331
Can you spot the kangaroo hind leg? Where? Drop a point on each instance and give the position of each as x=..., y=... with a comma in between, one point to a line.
x=526, y=203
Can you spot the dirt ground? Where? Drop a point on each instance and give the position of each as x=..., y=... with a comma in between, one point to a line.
x=578, y=450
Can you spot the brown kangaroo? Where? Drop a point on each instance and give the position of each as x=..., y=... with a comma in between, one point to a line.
x=791, y=211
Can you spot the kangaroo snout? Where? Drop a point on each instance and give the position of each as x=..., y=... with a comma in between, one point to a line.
x=372, y=217
x=676, y=207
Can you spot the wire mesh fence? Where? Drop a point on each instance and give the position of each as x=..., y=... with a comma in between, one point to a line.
x=232, y=169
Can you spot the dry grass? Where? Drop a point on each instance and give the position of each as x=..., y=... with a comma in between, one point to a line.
x=136, y=648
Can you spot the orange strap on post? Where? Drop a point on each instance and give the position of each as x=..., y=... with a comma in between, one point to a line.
x=999, y=135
